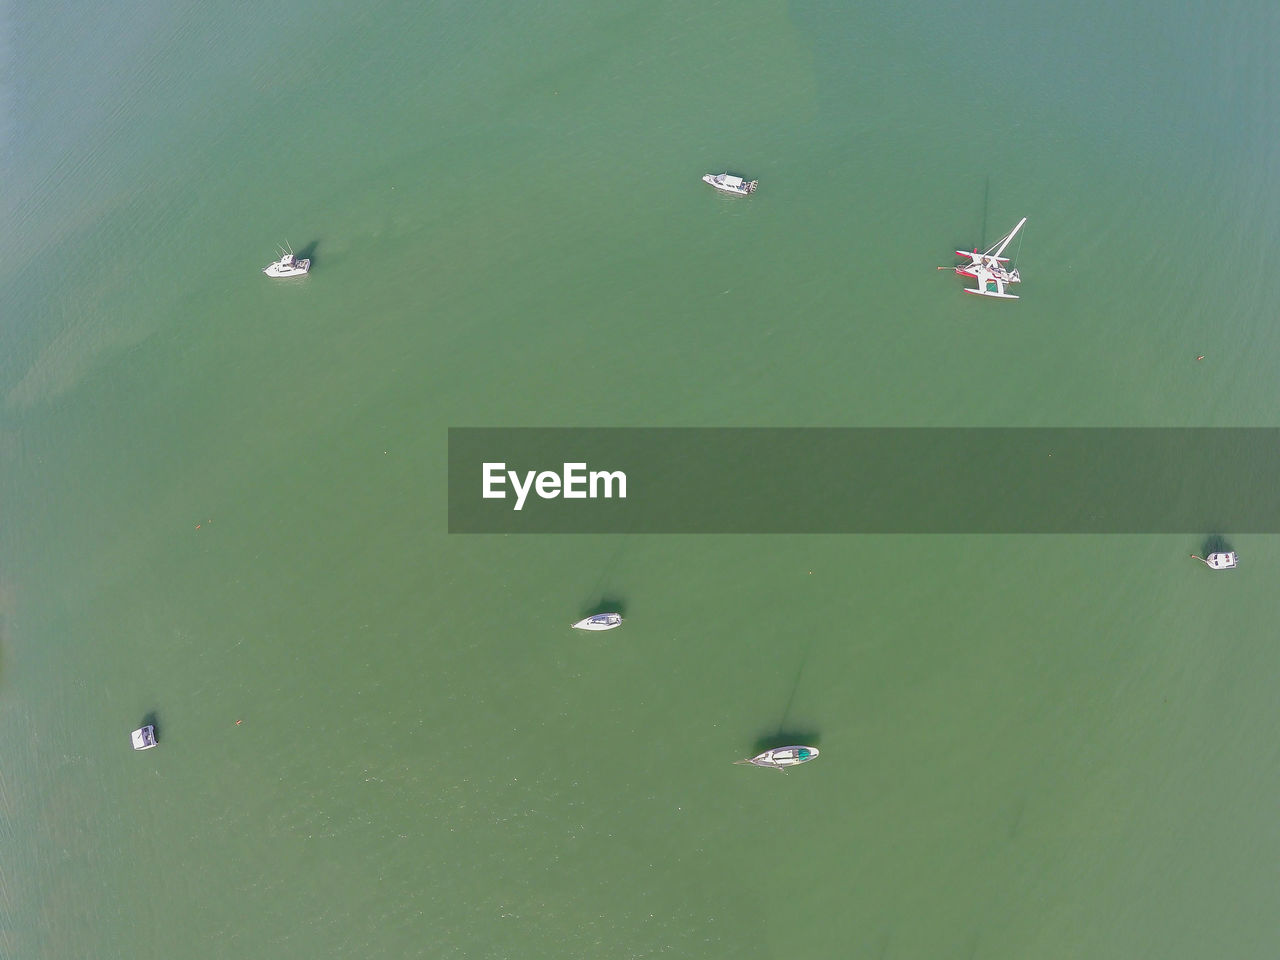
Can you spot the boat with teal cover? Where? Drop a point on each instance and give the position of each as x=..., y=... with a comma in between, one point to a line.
x=779, y=758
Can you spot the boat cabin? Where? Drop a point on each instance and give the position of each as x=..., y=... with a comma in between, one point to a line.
x=730, y=184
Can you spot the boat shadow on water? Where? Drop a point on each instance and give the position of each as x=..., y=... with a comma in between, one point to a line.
x=1215, y=544
x=607, y=604
x=785, y=738
x=308, y=251
x=786, y=733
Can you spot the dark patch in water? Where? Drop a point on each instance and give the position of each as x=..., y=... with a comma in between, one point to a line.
x=308, y=251
x=1215, y=544
x=607, y=604
x=794, y=737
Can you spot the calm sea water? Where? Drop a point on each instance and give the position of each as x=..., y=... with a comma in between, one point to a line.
x=223, y=497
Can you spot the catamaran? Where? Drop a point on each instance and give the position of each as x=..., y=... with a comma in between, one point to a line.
x=287, y=265
x=734, y=185
x=779, y=758
x=989, y=267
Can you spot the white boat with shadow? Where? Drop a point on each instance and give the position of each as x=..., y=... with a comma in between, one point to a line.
x=1223, y=560
x=780, y=758
x=144, y=738
x=990, y=268
x=600, y=621
x=287, y=266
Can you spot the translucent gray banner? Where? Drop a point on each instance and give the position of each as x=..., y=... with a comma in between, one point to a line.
x=909, y=480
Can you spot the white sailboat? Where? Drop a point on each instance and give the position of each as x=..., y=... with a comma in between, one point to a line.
x=988, y=268
x=601, y=621
x=779, y=758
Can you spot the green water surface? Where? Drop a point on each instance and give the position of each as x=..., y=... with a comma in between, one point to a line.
x=223, y=496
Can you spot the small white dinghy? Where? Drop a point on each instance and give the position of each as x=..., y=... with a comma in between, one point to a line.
x=144, y=738
x=779, y=758
x=734, y=185
x=287, y=266
x=601, y=621
x=1227, y=560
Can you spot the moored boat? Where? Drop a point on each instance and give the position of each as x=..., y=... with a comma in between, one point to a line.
x=1225, y=560
x=734, y=185
x=144, y=738
x=779, y=758
x=989, y=267
x=287, y=266
x=601, y=621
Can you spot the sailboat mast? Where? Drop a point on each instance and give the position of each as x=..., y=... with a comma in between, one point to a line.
x=1005, y=242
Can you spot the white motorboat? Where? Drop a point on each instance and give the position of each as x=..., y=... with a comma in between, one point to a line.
x=734, y=185
x=144, y=738
x=1226, y=560
x=287, y=266
x=989, y=267
x=601, y=621
x=779, y=758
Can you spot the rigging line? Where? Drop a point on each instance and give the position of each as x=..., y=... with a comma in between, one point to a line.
x=1019, y=253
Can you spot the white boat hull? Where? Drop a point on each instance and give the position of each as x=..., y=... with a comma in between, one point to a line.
x=780, y=758
x=298, y=269
x=601, y=621
x=734, y=186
